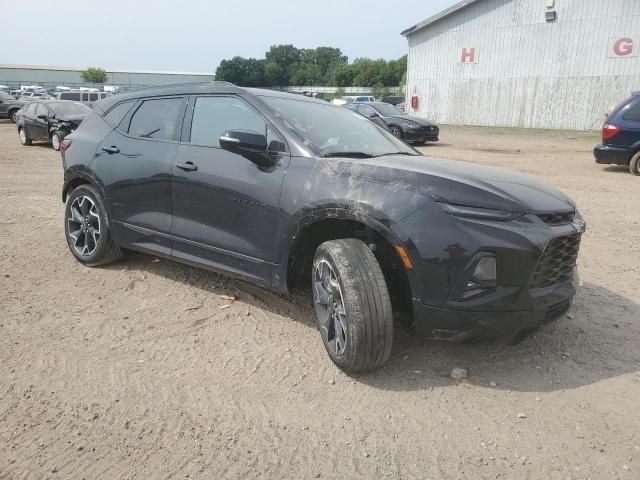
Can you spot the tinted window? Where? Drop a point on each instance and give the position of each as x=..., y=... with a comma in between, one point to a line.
x=41, y=110
x=117, y=113
x=69, y=108
x=75, y=96
x=212, y=116
x=31, y=109
x=633, y=114
x=93, y=97
x=366, y=110
x=156, y=119
x=85, y=97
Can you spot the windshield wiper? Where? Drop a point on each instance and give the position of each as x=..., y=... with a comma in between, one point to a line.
x=348, y=155
x=397, y=153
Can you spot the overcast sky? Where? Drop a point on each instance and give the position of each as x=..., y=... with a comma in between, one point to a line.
x=194, y=35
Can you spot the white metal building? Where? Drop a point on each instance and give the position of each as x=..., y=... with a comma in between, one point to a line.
x=524, y=63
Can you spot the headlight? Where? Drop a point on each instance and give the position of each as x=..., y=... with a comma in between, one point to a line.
x=408, y=124
x=479, y=213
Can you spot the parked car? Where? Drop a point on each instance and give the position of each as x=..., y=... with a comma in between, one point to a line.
x=9, y=106
x=621, y=136
x=410, y=129
x=84, y=96
x=393, y=100
x=352, y=99
x=288, y=191
x=50, y=121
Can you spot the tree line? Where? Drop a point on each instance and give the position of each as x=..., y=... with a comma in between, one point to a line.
x=286, y=65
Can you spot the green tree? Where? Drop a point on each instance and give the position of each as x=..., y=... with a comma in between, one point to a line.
x=284, y=56
x=273, y=74
x=94, y=75
x=246, y=72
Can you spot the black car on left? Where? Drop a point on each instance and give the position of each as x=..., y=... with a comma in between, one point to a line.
x=413, y=130
x=49, y=121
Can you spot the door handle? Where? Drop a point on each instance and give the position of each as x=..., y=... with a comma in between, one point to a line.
x=187, y=166
x=111, y=149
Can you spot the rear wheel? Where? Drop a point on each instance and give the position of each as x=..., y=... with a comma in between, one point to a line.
x=22, y=135
x=56, y=140
x=352, y=305
x=13, y=116
x=87, y=229
x=634, y=164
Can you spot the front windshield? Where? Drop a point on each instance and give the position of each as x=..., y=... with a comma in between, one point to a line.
x=335, y=130
x=387, y=110
x=69, y=108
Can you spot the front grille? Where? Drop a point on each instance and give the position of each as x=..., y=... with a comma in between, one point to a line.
x=557, y=218
x=557, y=262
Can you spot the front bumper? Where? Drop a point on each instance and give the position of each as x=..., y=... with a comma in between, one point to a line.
x=536, y=273
x=613, y=154
x=422, y=134
x=493, y=326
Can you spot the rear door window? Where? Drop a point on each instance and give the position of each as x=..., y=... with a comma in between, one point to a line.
x=117, y=113
x=157, y=119
x=633, y=114
x=212, y=116
x=75, y=96
x=93, y=97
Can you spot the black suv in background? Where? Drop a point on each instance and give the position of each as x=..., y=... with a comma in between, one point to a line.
x=287, y=191
x=621, y=136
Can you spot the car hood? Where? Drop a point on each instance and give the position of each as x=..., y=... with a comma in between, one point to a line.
x=419, y=121
x=459, y=183
x=75, y=119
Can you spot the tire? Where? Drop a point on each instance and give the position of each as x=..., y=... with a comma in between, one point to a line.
x=396, y=131
x=84, y=212
x=12, y=116
x=357, y=329
x=56, y=140
x=634, y=164
x=22, y=135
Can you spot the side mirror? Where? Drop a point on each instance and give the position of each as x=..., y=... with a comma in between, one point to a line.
x=250, y=145
x=43, y=117
x=373, y=115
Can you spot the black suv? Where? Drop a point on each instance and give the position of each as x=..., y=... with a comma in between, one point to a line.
x=287, y=191
x=621, y=136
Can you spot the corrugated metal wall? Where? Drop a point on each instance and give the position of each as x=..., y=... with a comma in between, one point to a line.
x=53, y=77
x=528, y=73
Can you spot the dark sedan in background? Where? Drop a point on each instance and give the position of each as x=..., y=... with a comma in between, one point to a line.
x=410, y=129
x=49, y=121
x=9, y=106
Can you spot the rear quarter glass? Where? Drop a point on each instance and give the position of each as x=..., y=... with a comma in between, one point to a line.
x=613, y=113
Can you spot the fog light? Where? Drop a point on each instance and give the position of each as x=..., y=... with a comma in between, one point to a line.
x=485, y=270
x=482, y=279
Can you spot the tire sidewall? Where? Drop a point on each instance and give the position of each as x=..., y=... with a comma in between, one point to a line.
x=21, y=132
x=57, y=136
x=12, y=116
x=634, y=164
x=353, y=314
x=92, y=193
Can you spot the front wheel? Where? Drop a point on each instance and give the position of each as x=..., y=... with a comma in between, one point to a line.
x=56, y=140
x=22, y=135
x=86, y=228
x=634, y=164
x=396, y=131
x=352, y=305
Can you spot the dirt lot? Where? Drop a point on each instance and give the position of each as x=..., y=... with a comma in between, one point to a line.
x=135, y=370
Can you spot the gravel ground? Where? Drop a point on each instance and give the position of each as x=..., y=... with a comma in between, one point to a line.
x=142, y=370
